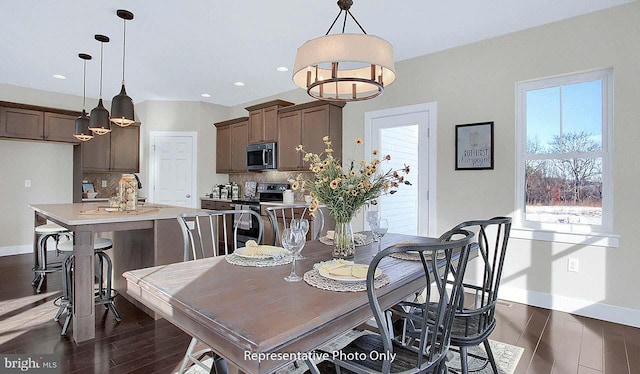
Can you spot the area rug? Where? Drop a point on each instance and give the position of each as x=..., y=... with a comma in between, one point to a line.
x=506, y=355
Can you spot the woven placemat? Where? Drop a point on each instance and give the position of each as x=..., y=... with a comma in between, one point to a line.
x=234, y=259
x=313, y=278
x=412, y=256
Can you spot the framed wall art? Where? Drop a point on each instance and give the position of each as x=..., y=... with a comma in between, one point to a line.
x=474, y=146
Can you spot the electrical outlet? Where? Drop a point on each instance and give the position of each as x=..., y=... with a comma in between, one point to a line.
x=104, y=183
x=573, y=265
x=27, y=183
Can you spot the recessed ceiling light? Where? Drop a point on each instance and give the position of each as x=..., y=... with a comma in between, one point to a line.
x=59, y=76
x=239, y=84
x=282, y=68
x=205, y=95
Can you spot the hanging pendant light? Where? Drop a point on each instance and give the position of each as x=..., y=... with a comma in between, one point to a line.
x=122, y=105
x=99, y=121
x=82, y=132
x=344, y=67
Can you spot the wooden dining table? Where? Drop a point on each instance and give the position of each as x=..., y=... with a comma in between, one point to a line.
x=254, y=319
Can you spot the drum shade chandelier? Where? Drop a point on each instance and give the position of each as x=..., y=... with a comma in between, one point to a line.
x=344, y=67
x=99, y=122
x=122, y=105
x=82, y=131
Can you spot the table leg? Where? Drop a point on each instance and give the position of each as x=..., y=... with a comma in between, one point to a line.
x=83, y=299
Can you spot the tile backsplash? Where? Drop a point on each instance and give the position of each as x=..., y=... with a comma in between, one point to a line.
x=112, y=183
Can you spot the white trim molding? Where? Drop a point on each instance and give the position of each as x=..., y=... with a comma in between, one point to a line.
x=591, y=239
x=606, y=312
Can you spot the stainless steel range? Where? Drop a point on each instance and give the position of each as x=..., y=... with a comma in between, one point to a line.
x=267, y=192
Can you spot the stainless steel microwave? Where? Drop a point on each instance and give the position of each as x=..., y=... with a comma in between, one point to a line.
x=262, y=156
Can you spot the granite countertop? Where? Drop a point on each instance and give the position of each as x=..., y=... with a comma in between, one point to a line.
x=103, y=199
x=214, y=199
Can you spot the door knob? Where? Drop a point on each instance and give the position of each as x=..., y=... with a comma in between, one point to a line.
x=188, y=196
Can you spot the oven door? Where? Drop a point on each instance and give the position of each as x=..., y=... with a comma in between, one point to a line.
x=248, y=227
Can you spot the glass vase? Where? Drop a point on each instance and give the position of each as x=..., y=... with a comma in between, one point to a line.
x=343, y=244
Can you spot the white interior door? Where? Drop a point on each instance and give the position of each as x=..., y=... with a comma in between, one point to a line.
x=173, y=165
x=408, y=135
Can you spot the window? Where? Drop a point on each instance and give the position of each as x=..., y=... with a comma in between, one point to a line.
x=564, y=131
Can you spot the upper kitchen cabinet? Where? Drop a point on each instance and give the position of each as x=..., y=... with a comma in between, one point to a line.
x=21, y=121
x=307, y=124
x=118, y=151
x=59, y=127
x=263, y=121
x=231, y=144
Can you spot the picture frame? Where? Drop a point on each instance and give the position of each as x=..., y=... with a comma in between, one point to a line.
x=474, y=146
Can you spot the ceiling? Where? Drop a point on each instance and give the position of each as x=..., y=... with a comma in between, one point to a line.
x=178, y=50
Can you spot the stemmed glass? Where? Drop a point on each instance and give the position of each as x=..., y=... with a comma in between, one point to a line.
x=379, y=230
x=293, y=240
x=303, y=225
x=373, y=217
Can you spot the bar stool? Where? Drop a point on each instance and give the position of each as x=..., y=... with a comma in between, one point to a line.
x=104, y=294
x=42, y=268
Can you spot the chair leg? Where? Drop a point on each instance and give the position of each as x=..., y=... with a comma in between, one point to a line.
x=66, y=323
x=313, y=367
x=464, y=365
x=490, y=357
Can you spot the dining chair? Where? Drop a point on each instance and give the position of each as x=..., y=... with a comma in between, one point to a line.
x=203, y=234
x=280, y=218
x=428, y=352
x=474, y=319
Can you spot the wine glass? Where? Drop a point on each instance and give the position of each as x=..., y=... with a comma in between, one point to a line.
x=293, y=240
x=303, y=225
x=373, y=218
x=379, y=231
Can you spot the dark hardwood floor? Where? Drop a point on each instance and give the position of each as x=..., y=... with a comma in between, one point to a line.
x=553, y=342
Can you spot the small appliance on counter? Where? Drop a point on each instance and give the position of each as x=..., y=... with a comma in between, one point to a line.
x=235, y=191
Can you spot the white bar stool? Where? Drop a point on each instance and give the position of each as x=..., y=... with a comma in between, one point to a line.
x=42, y=268
x=104, y=294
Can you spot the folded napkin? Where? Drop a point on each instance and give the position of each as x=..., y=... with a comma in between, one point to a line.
x=343, y=268
x=255, y=250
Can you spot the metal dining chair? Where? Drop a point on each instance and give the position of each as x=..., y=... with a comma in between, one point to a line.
x=280, y=218
x=209, y=234
x=427, y=352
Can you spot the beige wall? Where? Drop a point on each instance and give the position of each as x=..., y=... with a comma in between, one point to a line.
x=183, y=116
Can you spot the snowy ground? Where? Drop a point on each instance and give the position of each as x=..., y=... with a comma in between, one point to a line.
x=564, y=214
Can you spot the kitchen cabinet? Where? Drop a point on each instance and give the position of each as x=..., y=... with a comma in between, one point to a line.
x=118, y=151
x=263, y=121
x=29, y=122
x=307, y=124
x=60, y=127
x=231, y=144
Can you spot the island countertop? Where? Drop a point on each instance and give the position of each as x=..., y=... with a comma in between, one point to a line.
x=93, y=213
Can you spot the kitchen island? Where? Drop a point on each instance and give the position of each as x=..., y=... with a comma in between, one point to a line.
x=148, y=237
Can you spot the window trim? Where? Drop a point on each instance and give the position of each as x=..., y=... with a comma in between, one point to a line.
x=550, y=231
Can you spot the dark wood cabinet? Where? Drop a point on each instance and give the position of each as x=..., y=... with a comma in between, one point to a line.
x=263, y=121
x=307, y=124
x=29, y=122
x=118, y=151
x=21, y=123
x=59, y=127
x=231, y=144
x=125, y=149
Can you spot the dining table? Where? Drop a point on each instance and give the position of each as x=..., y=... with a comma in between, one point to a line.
x=255, y=320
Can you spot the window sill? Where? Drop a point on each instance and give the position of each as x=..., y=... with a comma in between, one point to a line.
x=590, y=239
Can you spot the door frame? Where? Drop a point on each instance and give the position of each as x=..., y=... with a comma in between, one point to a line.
x=430, y=113
x=194, y=162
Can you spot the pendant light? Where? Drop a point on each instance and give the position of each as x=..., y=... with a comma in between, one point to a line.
x=99, y=121
x=344, y=67
x=122, y=105
x=82, y=132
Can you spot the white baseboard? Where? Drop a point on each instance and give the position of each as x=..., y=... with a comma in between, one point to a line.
x=16, y=250
x=606, y=312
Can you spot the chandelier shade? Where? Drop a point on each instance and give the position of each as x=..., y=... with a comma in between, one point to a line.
x=344, y=67
x=82, y=131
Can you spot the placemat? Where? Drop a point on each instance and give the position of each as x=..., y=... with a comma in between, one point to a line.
x=313, y=278
x=411, y=256
x=234, y=259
